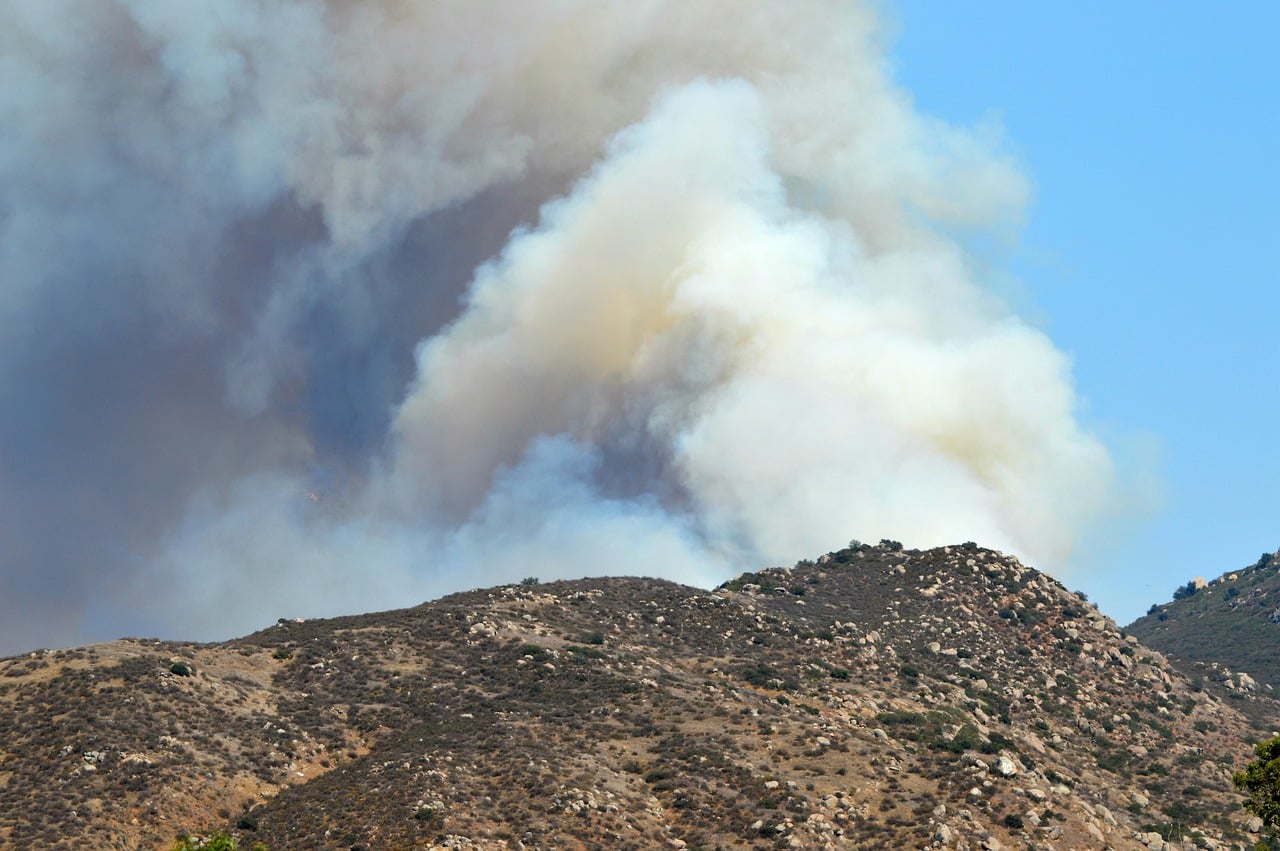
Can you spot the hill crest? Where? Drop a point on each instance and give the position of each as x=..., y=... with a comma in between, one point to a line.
x=878, y=697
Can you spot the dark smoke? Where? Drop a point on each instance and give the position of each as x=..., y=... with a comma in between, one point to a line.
x=307, y=307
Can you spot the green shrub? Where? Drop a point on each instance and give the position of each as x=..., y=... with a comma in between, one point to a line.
x=766, y=676
x=966, y=738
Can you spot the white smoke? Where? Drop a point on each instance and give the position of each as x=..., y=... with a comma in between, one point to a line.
x=411, y=297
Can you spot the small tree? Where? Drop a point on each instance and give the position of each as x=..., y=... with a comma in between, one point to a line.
x=1261, y=780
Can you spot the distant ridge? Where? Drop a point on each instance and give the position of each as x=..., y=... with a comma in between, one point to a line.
x=1232, y=622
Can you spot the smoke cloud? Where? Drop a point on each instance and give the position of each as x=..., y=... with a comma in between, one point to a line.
x=310, y=307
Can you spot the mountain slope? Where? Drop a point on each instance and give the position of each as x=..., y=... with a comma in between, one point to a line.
x=880, y=698
x=1230, y=625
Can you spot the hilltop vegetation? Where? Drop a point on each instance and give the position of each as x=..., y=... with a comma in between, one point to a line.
x=1230, y=626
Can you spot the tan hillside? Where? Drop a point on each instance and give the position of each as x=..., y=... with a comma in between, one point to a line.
x=879, y=698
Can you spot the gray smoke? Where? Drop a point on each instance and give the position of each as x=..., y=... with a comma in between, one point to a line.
x=311, y=307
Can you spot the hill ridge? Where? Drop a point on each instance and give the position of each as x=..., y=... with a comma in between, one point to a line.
x=1225, y=630
x=878, y=697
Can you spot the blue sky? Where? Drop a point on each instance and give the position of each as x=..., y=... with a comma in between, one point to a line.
x=1150, y=134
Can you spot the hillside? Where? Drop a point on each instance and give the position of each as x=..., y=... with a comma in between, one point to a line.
x=1228, y=629
x=878, y=698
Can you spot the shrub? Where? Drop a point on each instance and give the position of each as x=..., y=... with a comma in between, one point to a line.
x=530, y=580
x=182, y=669
x=766, y=676
x=966, y=738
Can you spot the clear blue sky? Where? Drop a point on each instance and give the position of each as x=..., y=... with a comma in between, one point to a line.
x=1151, y=135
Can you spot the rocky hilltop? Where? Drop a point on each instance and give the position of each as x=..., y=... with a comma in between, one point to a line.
x=876, y=698
x=1226, y=630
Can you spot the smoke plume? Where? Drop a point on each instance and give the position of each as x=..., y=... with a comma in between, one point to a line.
x=312, y=306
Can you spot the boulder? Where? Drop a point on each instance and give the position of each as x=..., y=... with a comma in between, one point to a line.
x=1006, y=767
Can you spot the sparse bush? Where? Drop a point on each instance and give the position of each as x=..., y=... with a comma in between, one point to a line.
x=530, y=580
